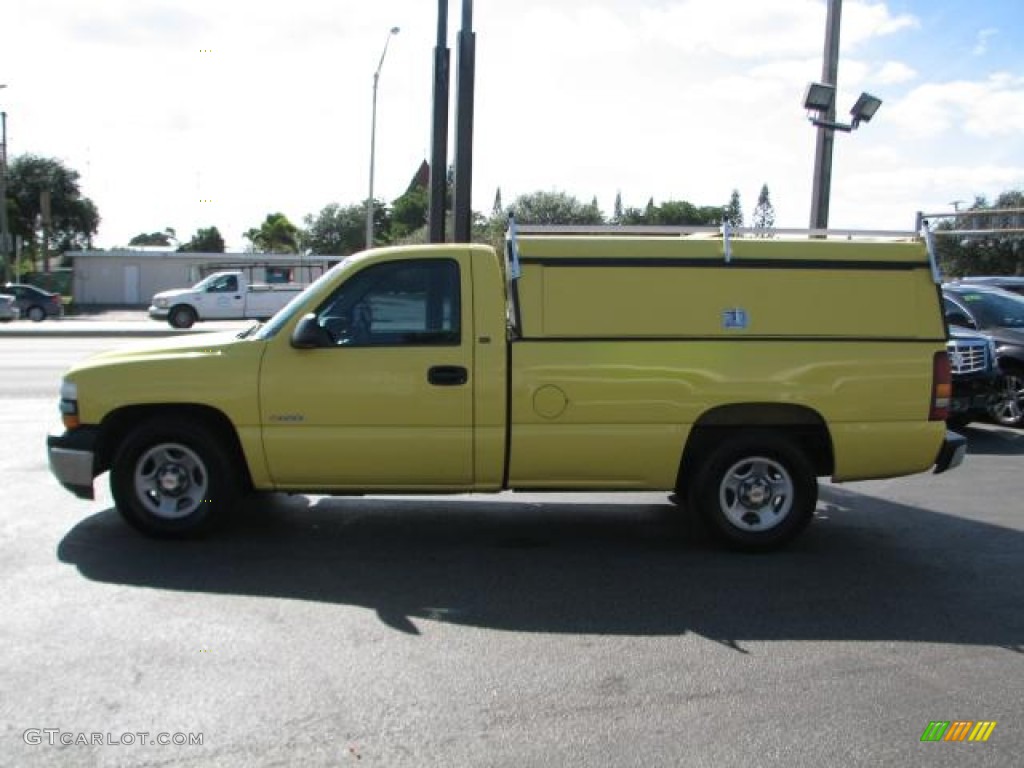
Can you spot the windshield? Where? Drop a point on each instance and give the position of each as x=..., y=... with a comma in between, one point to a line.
x=288, y=311
x=995, y=310
x=204, y=283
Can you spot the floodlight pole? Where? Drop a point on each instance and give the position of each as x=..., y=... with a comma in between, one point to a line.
x=821, y=189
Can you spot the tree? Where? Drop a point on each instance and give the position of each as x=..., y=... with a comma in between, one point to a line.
x=982, y=249
x=734, y=211
x=158, y=239
x=617, y=210
x=206, y=240
x=335, y=230
x=73, y=219
x=496, y=209
x=275, y=235
x=408, y=213
x=672, y=213
x=555, y=208
x=764, y=214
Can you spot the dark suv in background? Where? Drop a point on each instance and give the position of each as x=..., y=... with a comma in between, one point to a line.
x=1006, y=282
x=999, y=315
x=976, y=377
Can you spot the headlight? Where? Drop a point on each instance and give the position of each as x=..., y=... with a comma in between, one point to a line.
x=69, y=404
x=160, y=303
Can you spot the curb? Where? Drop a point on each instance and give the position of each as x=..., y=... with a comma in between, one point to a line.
x=106, y=329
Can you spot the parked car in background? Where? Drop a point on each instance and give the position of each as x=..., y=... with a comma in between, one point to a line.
x=999, y=314
x=8, y=308
x=35, y=303
x=976, y=375
x=1006, y=282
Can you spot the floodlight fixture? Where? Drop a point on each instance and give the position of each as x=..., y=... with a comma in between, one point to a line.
x=819, y=97
x=864, y=109
x=818, y=101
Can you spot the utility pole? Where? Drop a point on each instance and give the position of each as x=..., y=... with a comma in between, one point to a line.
x=439, y=138
x=47, y=219
x=5, y=230
x=821, y=190
x=464, y=127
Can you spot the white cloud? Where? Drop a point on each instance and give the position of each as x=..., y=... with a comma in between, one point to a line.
x=981, y=42
x=894, y=73
x=985, y=109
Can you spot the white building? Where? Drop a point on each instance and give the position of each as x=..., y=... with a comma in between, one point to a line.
x=130, y=278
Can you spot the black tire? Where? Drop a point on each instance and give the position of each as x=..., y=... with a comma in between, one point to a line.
x=755, y=491
x=1008, y=407
x=182, y=317
x=36, y=314
x=172, y=478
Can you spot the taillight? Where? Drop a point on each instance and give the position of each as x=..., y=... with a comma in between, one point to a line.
x=942, y=387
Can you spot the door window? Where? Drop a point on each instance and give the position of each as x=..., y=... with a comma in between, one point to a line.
x=224, y=284
x=398, y=303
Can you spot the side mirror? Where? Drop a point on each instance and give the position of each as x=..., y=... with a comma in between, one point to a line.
x=959, y=318
x=309, y=335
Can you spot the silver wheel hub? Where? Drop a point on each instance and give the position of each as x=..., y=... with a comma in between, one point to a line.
x=171, y=481
x=756, y=494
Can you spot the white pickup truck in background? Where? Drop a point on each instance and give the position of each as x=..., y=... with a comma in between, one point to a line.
x=222, y=296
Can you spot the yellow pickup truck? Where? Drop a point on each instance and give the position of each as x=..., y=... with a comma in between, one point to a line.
x=732, y=371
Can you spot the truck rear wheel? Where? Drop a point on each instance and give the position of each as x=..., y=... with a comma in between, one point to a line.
x=756, y=491
x=182, y=317
x=173, y=479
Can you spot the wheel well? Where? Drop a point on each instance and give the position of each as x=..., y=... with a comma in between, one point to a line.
x=800, y=424
x=1011, y=364
x=117, y=424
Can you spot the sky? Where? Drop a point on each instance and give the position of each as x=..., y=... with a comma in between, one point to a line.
x=197, y=113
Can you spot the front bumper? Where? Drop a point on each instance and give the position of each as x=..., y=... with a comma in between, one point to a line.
x=159, y=313
x=952, y=452
x=72, y=458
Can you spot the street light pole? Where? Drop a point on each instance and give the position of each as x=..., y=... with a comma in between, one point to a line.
x=5, y=232
x=821, y=190
x=373, y=140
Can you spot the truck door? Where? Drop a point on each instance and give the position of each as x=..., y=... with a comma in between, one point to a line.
x=388, y=404
x=222, y=299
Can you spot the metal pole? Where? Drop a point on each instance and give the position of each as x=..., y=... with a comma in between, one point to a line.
x=373, y=140
x=464, y=127
x=5, y=232
x=439, y=140
x=821, y=190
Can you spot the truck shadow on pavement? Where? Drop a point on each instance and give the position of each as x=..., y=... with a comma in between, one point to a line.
x=867, y=569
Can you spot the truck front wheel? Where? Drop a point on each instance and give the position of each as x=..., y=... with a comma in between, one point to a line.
x=755, y=491
x=172, y=478
x=182, y=317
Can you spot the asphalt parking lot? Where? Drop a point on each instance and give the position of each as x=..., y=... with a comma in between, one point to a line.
x=568, y=630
